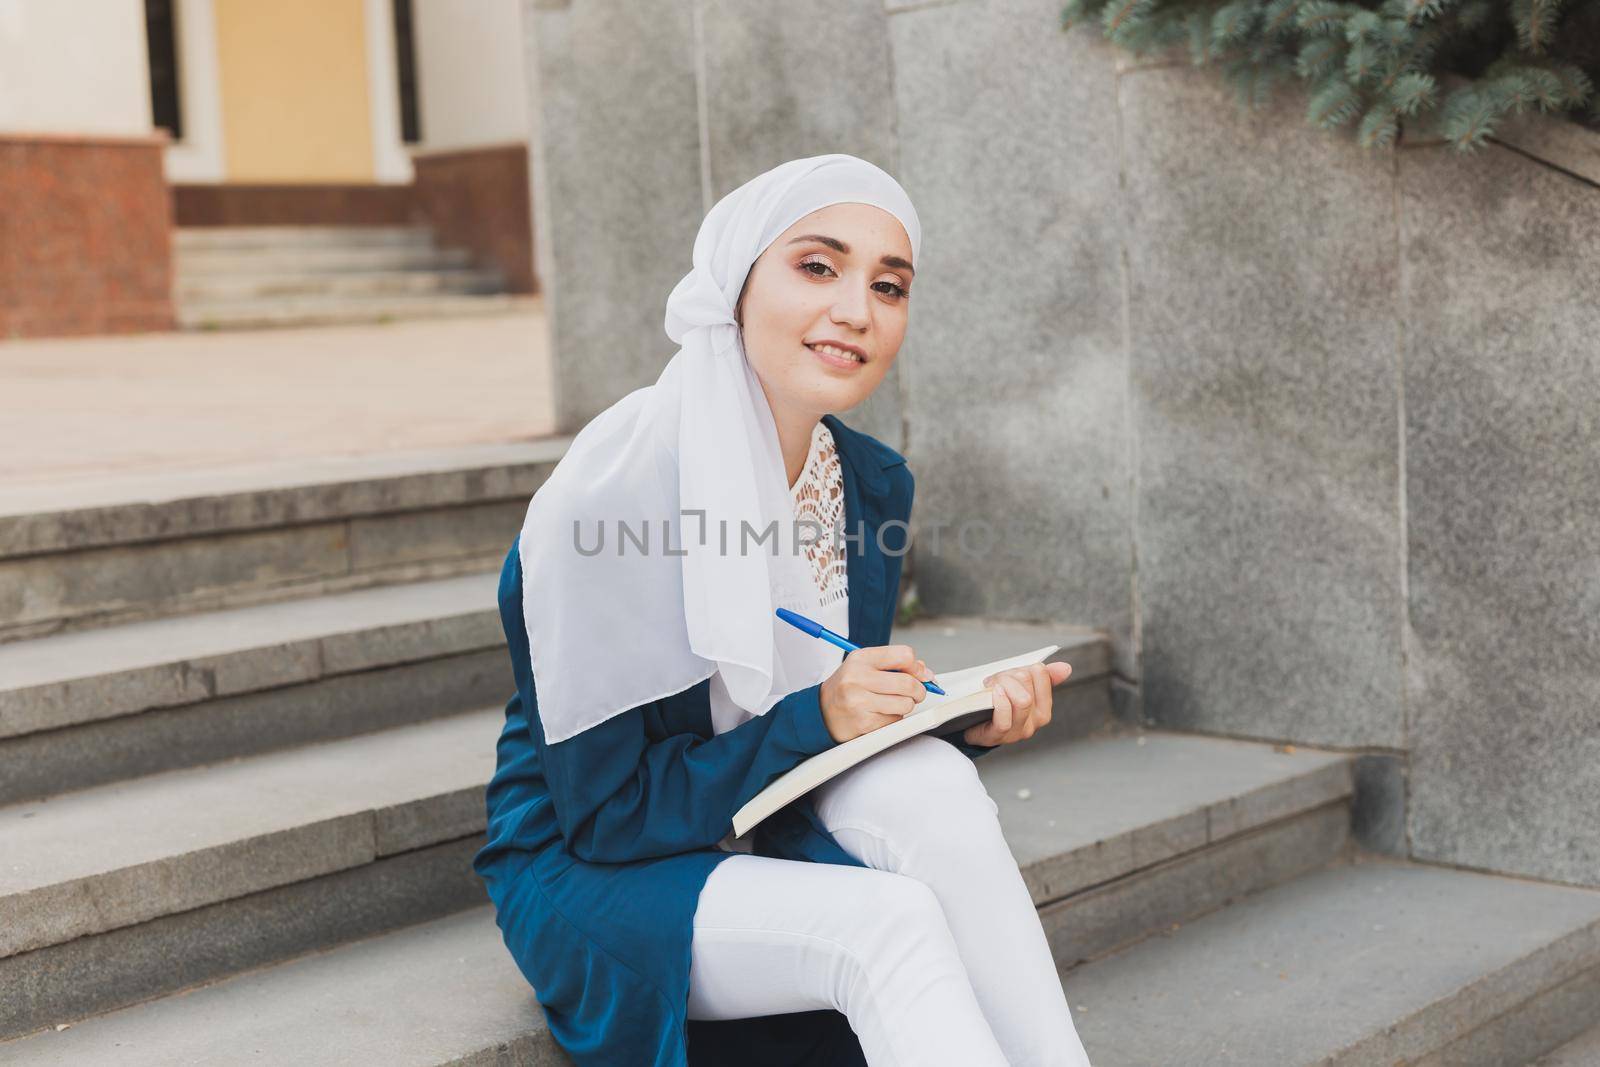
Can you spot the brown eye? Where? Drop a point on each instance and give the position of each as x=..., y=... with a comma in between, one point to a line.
x=806, y=264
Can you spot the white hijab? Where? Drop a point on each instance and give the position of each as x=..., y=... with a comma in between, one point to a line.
x=613, y=629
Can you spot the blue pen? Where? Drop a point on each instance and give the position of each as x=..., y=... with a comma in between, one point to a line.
x=816, y=629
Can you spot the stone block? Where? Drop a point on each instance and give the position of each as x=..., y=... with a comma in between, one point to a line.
x=1581, y=1051
x=163, y=505
x=952, y=642
x=784, y=81
x=1378, y=820
x=97, y=974
x=618, y=187
x=160, y=575
x=1093, y=814
x=1502, y=383
x=365, y=649
x=1263, y=295
x=73, y=678
x=465, y=532
x=162, y=739
x=1094, y=922
x=446, y=989
x=1015, y=362
x=61, y=911
x=98, y=859
x=419, y=823
x=1549, y=1018
x=1369, y=963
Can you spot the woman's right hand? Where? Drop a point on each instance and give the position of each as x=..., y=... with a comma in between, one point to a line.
x=872, y=688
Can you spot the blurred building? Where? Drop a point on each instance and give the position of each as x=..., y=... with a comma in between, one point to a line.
x=226, y=162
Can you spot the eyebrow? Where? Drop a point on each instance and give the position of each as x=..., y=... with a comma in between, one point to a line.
x=839, y=246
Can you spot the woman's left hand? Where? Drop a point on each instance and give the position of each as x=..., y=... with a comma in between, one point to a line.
x=1022, y=703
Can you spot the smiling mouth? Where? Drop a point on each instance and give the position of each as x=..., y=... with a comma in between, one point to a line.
x=833, y=354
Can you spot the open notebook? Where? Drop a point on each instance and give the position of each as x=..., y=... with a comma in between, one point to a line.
x=966, y=702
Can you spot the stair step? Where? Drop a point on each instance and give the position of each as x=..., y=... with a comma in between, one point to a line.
x=1457, y=971
x=138, y=888
x=222, y=288
x=311, y=310
x=80, y=555
x=1377, y=962
x=442, y=992
x=1581, y=1051
x=95, y=706
x=322, y=258
x=201, y=238
x=118, y=880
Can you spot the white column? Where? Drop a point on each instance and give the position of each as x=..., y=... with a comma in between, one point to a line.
x=472, y=90
x=199, y=156
x=78, y=68
x=390, y=161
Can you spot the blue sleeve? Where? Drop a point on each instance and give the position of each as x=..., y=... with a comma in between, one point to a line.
x=619, y=796
x=904, y=491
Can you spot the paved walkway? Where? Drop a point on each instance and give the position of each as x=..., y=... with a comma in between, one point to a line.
x=97, y=407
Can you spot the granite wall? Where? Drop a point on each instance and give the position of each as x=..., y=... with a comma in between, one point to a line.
x=1309, y=430
x=647, y=114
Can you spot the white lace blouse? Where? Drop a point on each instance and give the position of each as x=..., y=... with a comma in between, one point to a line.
x=818, y=498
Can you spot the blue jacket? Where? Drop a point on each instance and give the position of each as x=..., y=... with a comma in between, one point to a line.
x=598, y=845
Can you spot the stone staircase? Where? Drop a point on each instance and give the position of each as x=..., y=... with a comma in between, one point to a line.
x=237, y=277
x=246, y=719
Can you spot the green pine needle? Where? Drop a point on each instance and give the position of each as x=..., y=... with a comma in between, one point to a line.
x=1119, y=14
x=1232, y=23
x=1360, y=63
x=1576, y=87
x=1319, y=57
x=1277, y=21
x=1378, y=128
x=1412, y=93
x=1536, y=22
x=1468, y=118
x=1361, y=25
x=1379, y=64
x=1333, y=105
x=1322, y=16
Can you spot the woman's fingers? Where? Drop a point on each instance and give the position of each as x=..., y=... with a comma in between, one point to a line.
x=1019, y=687
x=886, y=657
x=1023, y=702
x=1003, y=712
x=1043, y=695
x=888, y=706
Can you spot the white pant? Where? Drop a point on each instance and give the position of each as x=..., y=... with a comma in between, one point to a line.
x=934, y=952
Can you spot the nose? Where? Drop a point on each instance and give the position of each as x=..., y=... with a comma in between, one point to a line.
x=851, y=308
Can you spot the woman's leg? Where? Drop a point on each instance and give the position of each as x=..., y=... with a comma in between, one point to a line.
x=774, y=936
x=919, y=809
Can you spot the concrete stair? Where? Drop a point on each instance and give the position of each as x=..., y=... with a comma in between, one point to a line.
x=238, y=809
x=88, y=555
x=1581, y=1051
x=140, y=888
x=262, y=276
x=81, y=709
x=1367, y=963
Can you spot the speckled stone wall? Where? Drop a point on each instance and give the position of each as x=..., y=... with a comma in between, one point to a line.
x=1308, y=430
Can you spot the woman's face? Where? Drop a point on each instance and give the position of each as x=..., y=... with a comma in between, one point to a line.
x=841, y=274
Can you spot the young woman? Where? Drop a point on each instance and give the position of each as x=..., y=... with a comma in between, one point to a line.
x=880, y=919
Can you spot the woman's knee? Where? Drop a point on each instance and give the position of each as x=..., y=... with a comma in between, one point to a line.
x=900, y=910
x=921, y=781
